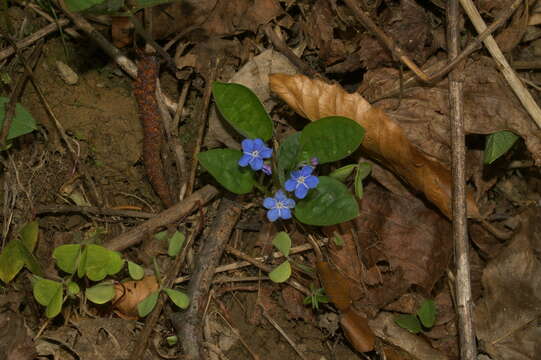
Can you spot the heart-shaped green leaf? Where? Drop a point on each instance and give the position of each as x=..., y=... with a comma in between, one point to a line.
x=101, y=262
x=331, y=139
x=242, y=109
x=282, y=242
x=48, y=293
x=329, y=203
x=498, y=144
x=281, y=273
x=67, y=257
x=223, y=164
x=178, y=297
x=100, y=293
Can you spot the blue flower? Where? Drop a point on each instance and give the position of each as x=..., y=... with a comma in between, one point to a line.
x=279, y=206
x=254, y=151
x=301, y=181
x=267, y=169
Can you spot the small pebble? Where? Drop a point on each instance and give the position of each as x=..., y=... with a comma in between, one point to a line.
x=66, y=73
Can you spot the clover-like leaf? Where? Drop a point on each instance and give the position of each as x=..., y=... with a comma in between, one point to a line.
x=427, y=313
x=175, y=243
x=67, y=257
x=145, y=307
x=48, y=293
x=331, y=139
x=136, y=271
x=329, y=203
x=281, y=273
x=178, y=297
x=408, y=322
x=242, y=109
x=101, y=293
x=223, y=164
x=282, y=242
x=498, y=144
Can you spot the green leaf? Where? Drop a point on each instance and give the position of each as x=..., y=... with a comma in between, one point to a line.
x=329, y=203
x=363, y=170
x=136, y=271
x=242, y=109
x=100, y=293
x=160, y=236
x=48, y=293
x=22, y=123
x=178, y=297
x=427, y=313
x=101, y=262
x=145, y=307
x=288, y=156
x=342, y=173
x=331, y=139
x=67, y=257
x=29, y=235
x=175, y=243
x=12, y=259
x=223, y=165
x=281, y=273
x=408, y=322
x=73, y=288
x=498, y=144
x=172, y=340
x=282, y=242
x=338, y=241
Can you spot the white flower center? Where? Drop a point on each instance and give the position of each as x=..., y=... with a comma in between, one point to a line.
x=255, y=153
x=280, y=205
x=301, y=179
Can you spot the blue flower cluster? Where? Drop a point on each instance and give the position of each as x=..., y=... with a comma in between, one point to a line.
x=301, y=181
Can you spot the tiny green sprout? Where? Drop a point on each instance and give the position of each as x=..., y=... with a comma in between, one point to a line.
x=171, y=340
x=422, y=320
x=282, y=242
x=316, y=297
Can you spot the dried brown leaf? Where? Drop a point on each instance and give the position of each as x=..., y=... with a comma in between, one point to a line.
x=130, y=293
x=384, y=140
x=357, y=331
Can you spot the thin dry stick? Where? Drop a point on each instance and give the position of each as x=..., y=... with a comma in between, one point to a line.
x=30, y=39
x=512, y=79
x=242, y=264
x=460, y=235
x=282, y=332
x=168, y=216
x=93, y=210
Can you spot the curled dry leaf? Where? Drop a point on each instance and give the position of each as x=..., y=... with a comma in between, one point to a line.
x=130, y=293
x=385, y=140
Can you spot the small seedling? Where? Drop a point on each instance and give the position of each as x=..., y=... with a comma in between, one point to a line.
x=18, y=253
x=498, y=144
x=22, y=122
x=282, y=242
x=317, y=296
x=422, y=320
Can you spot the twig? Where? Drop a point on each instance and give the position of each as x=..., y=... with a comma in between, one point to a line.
x=512, y=79
x=282, y=332
x=152, y=319
x=63, y=209
x=9, y=108
x=30, y=39
x=168, y=216
x=242, y=264
x=526, y=64
x=188, y=325
x=203, y=116
x=281, y=46
x=460, y=233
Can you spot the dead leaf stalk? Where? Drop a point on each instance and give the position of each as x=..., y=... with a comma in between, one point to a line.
x=468, y=349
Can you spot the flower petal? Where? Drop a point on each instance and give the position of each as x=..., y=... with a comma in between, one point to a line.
x=295, y=174
x=244, y=160
x=258, y=144
x=301, y=191
x=280, y=195
x=311, y=181
x=265, y=152
x=286, y=214
x=247, y=145
x=269, y=203
x=290, y=185
x=267, y=169
x=256, y=163
x=289, y=203
x=306, y=171
x=273, y=214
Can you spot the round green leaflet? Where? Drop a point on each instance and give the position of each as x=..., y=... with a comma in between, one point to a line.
x=242, y=109
x=101, y=293
x=281, y=273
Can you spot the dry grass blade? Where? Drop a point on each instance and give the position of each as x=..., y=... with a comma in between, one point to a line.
x=384, y=140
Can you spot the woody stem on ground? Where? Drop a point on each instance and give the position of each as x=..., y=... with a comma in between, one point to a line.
x=460, y=236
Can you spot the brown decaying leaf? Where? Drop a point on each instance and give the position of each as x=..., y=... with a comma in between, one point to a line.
x=384, y=140
x=507, y=317
x=130, y=293
x=357, y=331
